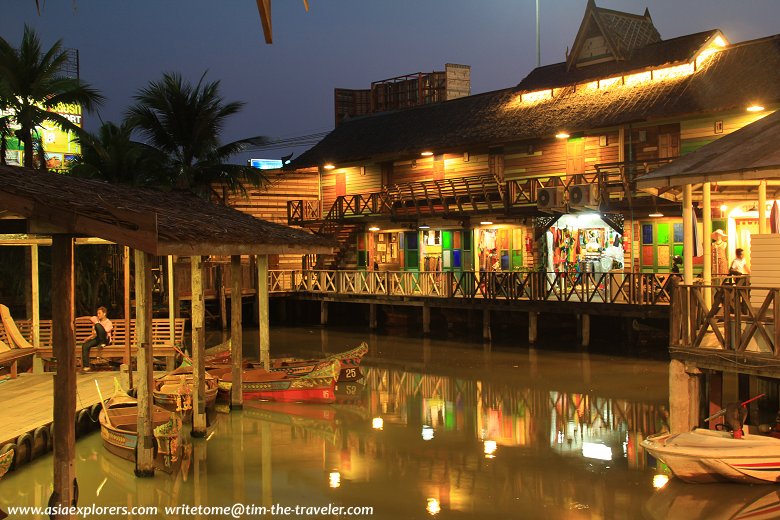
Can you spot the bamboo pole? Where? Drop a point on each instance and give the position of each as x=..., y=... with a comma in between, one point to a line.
x=127, y=356
x=144, y=462
x=198, y=349
x=63, y=341
x=36, y=307
x=262, y=298
x=236, y=334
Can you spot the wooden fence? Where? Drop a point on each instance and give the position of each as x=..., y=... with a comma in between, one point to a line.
x=613, y=288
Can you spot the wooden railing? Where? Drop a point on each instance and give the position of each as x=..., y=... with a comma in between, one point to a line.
x=614, y=287
x=737, y=317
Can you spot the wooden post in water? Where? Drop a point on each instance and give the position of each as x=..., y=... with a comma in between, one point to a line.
x=426, y=319
x=198, y=349
x=127, y=358
x=372, y=307
x=486, y=333
x=63, y=341
x=144, y=461
x=585, y=333
x=171, y=360
x=236, y=334
x=323, y=313
x=715, y=396
x=220, y=275
x=263, y=302
x=533, y=327
x=35, y=296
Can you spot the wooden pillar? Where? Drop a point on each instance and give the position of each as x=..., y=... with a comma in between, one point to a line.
x=486, y=333
x=762, y=207
x=585, y=330
x=171, y=361
x=426, y=319
x=687, y=234
x=144, y=461
x=684, y=394
x=707, y=221
x=222, y=297
x=64, y=345
x=236, y=333
x=533, y=324
x=372, y=308
x=323, y=313
x=715, y=396
x=262, y=299
x=198, y=348
x=35, y=296
x=126, y=268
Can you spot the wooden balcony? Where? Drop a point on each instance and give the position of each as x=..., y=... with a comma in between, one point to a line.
x=737, y=326
x=641, y=289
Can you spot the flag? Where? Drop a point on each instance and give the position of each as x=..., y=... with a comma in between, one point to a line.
x=698, y=245
x=774, y=219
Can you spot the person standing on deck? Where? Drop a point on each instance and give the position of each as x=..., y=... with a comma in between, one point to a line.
x=739, y=264
x=100, y=336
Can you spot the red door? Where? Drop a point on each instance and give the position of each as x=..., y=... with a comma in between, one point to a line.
x=341, y=184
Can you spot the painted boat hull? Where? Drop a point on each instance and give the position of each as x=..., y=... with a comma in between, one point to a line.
x=120, y=436
x=706, y=456
x=174, y=391
x=318, y=386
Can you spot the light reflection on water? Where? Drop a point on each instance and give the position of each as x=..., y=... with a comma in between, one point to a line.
x=466, y=432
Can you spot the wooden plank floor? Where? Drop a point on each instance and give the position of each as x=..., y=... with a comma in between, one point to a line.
x=27, y=402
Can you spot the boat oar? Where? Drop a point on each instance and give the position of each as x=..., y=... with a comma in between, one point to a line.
x=103, y=404
x=185, y=356
x=723, y=411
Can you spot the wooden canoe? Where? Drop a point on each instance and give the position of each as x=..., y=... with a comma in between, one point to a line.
x=174, y=390
x=318, y=386
x=120, y=435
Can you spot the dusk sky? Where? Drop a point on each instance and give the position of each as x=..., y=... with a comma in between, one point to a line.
x=288, y=86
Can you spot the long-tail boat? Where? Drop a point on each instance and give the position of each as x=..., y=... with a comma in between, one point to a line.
x=118, y=429
x=349, y=361
x=173, y=391
x=318, y=386
x=6, y=459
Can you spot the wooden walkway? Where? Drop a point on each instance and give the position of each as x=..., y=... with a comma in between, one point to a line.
x=28, y=401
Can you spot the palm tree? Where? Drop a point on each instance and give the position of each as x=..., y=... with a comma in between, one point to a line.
x=113, y=156
x=31, y=82
x=184, y=122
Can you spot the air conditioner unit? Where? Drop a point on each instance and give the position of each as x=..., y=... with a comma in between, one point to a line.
x=584, y=195
x=549, y=198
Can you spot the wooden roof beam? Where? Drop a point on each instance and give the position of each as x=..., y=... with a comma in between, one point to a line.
x=264, y=8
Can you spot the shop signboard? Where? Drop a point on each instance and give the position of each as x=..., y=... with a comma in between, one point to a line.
x=59, y=145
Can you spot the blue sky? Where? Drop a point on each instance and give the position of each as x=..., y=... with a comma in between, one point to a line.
x=288, y=86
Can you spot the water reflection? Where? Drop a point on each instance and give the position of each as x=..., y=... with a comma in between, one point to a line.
x=434, y=429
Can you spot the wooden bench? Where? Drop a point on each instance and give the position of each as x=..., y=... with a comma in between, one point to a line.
x=83, y=327
x=13, y=346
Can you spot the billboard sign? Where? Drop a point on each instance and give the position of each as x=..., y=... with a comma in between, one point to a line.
x=265, y=164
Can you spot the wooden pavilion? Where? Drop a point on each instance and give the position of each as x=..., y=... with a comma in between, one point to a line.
x=716, y=325
x=152, y=223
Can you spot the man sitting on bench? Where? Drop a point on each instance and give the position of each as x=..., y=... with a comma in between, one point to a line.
x=100, y=337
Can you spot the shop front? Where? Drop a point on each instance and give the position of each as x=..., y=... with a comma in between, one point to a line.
x=582, y=243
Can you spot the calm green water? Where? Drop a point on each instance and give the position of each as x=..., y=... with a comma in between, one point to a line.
x=465, y=433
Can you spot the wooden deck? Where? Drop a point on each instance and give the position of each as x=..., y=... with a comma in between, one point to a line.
x=28, y=401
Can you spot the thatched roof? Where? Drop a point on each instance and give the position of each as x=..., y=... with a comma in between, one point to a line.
x=157, y=222
x=750, y=153
x=730, y=79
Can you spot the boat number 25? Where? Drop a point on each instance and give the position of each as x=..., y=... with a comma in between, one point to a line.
x=350, y=372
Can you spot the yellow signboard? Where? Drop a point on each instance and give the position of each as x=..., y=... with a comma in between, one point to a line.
x=58, y=145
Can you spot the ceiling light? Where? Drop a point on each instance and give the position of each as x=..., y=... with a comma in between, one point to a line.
x=755, y=108
x=724, y=207
x=329, y=166
x=426, y=153
x=486, y=223
x=424, y=226
x=656, y=214
x=562, y=135
x=374, y=228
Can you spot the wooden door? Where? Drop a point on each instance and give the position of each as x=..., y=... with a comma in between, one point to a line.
x=341, y=184
x=575, y=156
